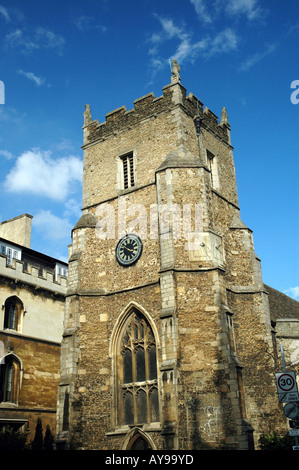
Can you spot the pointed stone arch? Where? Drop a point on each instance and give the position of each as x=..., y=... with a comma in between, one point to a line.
x=136, y=439
x=11, y=372
x=122, y=319
x=133, y=350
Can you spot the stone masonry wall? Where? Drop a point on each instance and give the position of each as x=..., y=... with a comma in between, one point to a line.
x=187, y=286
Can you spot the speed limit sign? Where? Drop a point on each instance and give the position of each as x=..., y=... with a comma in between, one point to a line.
x=287, y=387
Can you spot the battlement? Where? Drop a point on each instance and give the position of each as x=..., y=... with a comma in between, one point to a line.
x=39, y=278
x=149, y=106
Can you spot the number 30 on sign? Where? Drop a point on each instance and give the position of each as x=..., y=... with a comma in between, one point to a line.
x=286, y=387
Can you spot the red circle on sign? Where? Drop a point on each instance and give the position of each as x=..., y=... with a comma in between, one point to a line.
x=286, y=382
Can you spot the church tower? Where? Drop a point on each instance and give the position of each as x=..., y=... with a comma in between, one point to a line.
x=167, y=335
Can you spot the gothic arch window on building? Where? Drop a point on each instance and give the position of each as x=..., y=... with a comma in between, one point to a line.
x=10, y=379
x=137, y=384
x=13, y=309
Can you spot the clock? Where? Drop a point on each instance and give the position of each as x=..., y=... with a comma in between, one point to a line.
x=128, y=250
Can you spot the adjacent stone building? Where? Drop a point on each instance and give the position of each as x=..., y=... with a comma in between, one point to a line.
x=32, y=297
x=168, y=341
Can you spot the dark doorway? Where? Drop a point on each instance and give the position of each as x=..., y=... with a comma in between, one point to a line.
x=139, y=443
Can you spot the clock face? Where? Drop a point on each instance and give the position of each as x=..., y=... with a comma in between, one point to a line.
x=128, y=250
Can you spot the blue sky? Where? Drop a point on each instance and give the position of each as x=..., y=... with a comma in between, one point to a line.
x=57, y=56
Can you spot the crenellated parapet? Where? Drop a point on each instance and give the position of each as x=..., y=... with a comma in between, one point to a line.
x=38, y=278
x=148, y=107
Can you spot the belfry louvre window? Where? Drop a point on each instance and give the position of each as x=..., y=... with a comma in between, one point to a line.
x=138, y=387
x=128, y=171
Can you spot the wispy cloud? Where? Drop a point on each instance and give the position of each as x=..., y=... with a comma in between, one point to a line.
x=40, y=38
x=49, y=40
x=37, y=172
x=208, y=11
x=39, y=81
x=4, y=13
x=293, y=292
x=258, y=57
x=86, y=23
x=249, y=8
x=10, y=14
x=52, y=227
x=6, y=154
x=184, y=45
x=202, y=10
x=225, y=41
x=17, y=39
x=9, y=114
x=72, y=207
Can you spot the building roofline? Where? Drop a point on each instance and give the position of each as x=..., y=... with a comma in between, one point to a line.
x=34, y=252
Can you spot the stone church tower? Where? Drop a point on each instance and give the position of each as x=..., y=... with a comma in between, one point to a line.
x=167, y=341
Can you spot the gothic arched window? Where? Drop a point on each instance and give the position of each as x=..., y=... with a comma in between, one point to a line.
x=9, y=379
x=12, y=315
x=137, y=372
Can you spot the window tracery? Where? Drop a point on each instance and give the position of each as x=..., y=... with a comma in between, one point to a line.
x=137, y=372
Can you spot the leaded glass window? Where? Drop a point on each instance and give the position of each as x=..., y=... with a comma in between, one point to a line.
x=9, y=380
x=138, y=386
x=12, y=315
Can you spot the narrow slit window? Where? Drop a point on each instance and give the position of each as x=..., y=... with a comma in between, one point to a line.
x=128, y=171
x=231, y=334
x=213, y=167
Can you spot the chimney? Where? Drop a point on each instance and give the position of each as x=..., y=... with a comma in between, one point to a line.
x=17, y=230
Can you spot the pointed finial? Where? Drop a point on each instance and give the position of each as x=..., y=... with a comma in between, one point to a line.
x=87, y=115
x=224, y=117
x=175, y=70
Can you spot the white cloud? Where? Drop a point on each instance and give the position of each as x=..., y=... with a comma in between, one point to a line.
x=201, y=10
x=6, y=154
x=293, y=292
x=52, y=227
x=4, y=12
x=171, y=29
x=223, y=42
x=11, y=14
x=72, y=208
x=40, y=38
x=10, y=114
x=39, y=81
x=49, y=40
x=36, y=172
x=188, y=49
x=248, y=8
x=255, y=58
x=208, y=11
x=17, y=39
x=86, y=23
